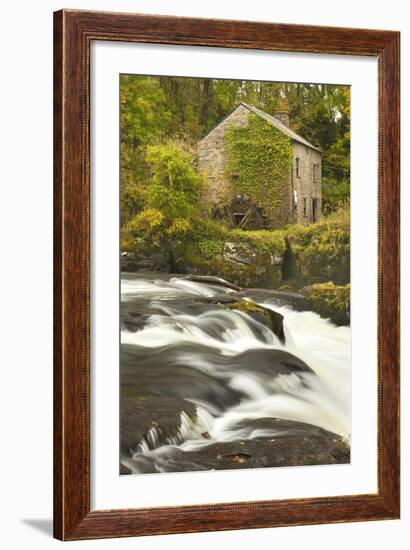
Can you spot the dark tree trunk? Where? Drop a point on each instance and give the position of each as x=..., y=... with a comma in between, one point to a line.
x=206, y=101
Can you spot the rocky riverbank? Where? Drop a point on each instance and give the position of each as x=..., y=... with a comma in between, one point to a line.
x=312, y=261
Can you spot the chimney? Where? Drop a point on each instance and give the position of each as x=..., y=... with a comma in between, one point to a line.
x=283, y=116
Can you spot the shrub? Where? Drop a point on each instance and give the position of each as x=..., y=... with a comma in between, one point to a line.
x=210, y=248
x=175, y=187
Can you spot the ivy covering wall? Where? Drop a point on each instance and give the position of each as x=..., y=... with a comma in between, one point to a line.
x=258, y=161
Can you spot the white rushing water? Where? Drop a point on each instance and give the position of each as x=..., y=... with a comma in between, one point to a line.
x=321, y=399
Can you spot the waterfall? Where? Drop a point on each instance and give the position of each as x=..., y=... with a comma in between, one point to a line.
x=237, y=392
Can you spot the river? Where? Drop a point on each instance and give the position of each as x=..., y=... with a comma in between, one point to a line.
x=206, y=387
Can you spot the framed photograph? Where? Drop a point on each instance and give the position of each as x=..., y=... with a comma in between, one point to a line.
x=226, y=275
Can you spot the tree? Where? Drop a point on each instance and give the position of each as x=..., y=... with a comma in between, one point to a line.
x=144, y=119
x=172, y=197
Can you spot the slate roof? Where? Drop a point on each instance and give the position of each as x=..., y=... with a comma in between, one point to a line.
x=275, y=122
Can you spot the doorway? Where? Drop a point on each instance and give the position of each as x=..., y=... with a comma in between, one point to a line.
x=314, y=210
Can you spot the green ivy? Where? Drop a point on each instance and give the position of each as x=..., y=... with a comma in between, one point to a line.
x=259, y=158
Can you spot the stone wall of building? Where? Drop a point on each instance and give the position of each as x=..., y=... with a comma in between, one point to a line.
x=212, y=156
x=307, y=183
x=285, y=212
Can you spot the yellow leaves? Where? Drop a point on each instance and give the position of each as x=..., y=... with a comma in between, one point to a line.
x=147, y=220
x=179, y=226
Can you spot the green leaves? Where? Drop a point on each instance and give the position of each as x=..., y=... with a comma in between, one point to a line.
x=335, y=194
x=211, y=248
x=175, y=187
x=144, y=111
x=171, y=197
x=144, y=119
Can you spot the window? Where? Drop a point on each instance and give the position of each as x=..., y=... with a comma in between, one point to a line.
x=305, y=206
x=297, y=167
x=315, y=173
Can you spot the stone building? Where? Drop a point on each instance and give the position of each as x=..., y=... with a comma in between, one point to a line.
x=302, y=194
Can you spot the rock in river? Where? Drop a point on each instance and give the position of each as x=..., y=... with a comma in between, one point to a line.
x=152, y=420
x=273, y=442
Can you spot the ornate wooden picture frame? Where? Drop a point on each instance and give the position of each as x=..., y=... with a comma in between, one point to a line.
x=74, y=31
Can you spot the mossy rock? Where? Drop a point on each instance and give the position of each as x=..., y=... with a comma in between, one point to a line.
x=329, y=301
x=318, y=253
x=312, y=270
x=267, y=317
x=296, y=256
x=245, y=264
